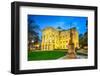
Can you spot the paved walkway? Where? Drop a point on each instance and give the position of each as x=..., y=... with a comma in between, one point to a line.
x=64, y=57
x=78, y=57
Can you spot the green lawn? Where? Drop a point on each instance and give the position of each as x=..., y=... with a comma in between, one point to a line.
x=45, y=55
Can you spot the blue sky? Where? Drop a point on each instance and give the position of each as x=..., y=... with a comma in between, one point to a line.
x=65, y=22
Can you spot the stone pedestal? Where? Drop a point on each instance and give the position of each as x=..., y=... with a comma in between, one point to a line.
x=71, y=52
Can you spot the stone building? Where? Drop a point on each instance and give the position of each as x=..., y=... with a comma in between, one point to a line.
x=58, y=39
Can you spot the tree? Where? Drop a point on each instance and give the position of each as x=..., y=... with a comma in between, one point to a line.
x=59, y=28
x=86, y=35
x=83, y=39
x=33, y=31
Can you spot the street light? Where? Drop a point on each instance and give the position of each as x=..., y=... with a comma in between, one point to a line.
x=32, y=41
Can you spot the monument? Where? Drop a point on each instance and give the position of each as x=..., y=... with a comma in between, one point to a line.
x=71, y=50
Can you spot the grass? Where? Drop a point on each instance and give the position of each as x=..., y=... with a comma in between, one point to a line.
x=45, y=55
x=49, y=55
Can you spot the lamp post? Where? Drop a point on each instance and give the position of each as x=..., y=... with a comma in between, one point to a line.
x=32, y=41
x=32, y=44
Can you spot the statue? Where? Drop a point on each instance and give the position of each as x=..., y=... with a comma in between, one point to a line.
x=71, y=49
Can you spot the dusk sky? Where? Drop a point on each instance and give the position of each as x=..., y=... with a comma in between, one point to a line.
x=65, y=22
